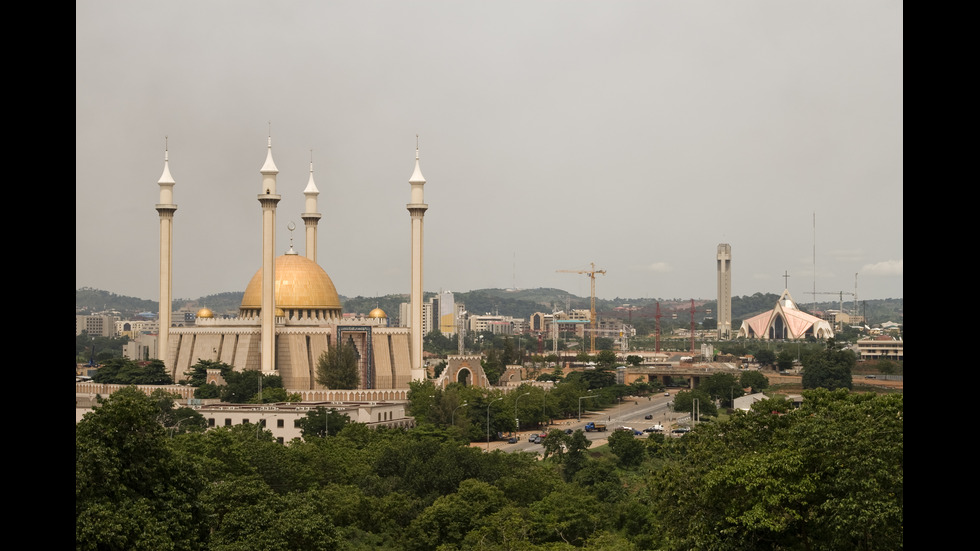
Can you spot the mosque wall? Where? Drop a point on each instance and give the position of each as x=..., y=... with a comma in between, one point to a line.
x=383, y=371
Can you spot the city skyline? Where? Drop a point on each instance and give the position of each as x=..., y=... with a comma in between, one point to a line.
x=637, y=136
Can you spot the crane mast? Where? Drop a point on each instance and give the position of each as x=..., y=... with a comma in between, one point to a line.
x=592, y=317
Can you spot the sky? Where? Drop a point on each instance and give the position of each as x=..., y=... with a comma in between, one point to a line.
x=635, y=135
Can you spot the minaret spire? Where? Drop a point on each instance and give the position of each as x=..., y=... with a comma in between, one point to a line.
x=416, y=210
x=311, y=217
x=166, y=208
x=268, y=199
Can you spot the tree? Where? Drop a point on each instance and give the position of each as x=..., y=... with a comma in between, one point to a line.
x=243, y=387
x=830, y=370
x=337, y=367
x=629, y=450
x=684, y=401
x=765, y=357
x=122, y=371
x=722, y=386
x=827, y=476
x=754, y=379
x=319, y=423
x=785, y=359
x=634, y=360
x=555, y=445
x=199, y=371
x=605, y=359
x=886, y=366
x=132, y=491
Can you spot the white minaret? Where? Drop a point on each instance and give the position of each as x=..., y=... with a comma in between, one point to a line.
x=416, y=209
x=311, y=217
x=268, y=199
x=166, y=208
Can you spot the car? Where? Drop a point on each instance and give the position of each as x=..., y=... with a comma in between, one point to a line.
x=681, y=430
x=512, y=440
x=534, y=439
x=870, y=377
x=666, y=394
x=655, y=428
x=569, y=431
x=648, y=416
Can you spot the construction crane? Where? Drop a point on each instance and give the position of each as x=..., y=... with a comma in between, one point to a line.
x=838, y=293
x=591, y=273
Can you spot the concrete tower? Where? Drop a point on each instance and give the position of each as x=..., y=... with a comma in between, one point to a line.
x=166, y=208
x=416, y=209
x=268, y=199
x=311, y=217
x=724, y=291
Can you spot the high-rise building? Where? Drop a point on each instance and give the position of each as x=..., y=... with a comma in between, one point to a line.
x=724, y=291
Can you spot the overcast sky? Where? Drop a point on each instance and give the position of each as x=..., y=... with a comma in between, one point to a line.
x=637, y=135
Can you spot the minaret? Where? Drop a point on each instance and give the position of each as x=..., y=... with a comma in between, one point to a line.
x=268, y=199
x=166, y=208
x=724, y=291
x=416, y=209
x=311, y=217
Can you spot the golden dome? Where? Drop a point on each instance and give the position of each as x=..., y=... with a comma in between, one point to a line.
x=377, y=313
x=205, y=313
x=300, y=284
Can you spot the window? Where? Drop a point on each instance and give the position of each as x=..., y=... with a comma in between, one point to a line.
x=244, y=421
x=280, y=424
x=227, y=422
x=211, y=422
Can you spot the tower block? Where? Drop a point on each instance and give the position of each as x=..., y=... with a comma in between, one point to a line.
x=724, y=291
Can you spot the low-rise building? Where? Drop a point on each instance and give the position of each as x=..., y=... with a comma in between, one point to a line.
x=882, y=346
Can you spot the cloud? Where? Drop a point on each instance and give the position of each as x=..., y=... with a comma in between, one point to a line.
x=847, y=255
x=886, y=268
x=660, y=267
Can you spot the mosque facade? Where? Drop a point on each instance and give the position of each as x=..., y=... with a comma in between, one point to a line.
x=291, y=311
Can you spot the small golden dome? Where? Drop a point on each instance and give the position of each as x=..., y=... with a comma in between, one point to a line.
x=377, y=313
x=300, y=283
x=280, y=313
x=205, y=313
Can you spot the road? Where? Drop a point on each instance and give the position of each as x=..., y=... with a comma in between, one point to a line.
x=630, y=413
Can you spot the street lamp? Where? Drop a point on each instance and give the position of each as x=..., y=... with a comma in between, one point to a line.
x=516, y=419
x=453, y=416
x=488, y=420
x=580, y=405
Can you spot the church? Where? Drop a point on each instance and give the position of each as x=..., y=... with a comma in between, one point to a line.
x=785, y=322
x=291, y=311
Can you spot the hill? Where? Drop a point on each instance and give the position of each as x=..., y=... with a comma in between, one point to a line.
x=519, y=303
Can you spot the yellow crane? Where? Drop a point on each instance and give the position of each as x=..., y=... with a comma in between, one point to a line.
x=592, y=317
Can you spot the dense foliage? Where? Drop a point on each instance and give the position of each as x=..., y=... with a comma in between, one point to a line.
x=122, y=371
x=337, y=367
x=830, y=369
x=826, y=476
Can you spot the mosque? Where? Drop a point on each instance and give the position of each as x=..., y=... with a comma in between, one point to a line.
x=291, y=312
